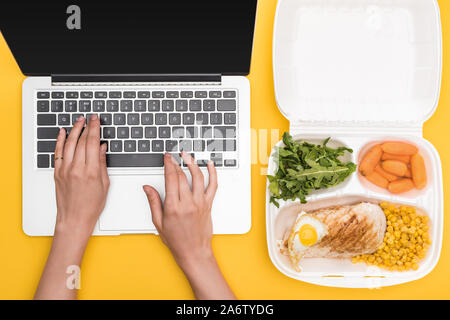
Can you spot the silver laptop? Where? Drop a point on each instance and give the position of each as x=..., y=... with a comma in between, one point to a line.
x=162, y=77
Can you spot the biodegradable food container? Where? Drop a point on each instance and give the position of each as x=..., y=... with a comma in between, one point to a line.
x=360, y=72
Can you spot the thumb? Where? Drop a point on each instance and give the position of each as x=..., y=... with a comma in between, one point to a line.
x=154, y=201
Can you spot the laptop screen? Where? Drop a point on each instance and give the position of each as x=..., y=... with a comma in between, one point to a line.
x=130, y=37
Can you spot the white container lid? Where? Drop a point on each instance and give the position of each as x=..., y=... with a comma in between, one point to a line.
x=357, y=60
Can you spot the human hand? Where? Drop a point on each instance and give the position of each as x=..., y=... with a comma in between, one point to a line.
x=184, y=223
x=81, y=178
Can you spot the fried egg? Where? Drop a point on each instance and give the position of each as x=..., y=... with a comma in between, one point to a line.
x=306, y=232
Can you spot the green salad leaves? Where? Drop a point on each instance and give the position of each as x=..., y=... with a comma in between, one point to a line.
x=303, y=167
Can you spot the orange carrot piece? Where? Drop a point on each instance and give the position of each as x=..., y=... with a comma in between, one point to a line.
x=378, y=180
x=397, y=168
x=370, y=160
x=399, y=148
x=408, y=173
x=388, y=176
x=419, y=173
x=390, y=156
x=400, y=186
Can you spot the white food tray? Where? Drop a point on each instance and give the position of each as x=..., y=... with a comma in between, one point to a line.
x=360, y=72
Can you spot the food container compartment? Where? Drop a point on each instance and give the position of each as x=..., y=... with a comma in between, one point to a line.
x=423, y=151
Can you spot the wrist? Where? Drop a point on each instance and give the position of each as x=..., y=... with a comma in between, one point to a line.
x=196, y=261
x=74, y=235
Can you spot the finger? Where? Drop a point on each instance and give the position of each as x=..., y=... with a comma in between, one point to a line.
x=59, y=149
x=212, y=185
x=93, y=143
x=72, y=140
x=103, y=168
x=183, y=185
x=198, y=184
x=171, y=178
x=79, y=157
x=154, y=201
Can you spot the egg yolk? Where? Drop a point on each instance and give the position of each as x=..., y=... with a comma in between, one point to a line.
x=307, y=235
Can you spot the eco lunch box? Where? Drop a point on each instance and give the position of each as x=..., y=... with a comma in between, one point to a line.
x=360, y=72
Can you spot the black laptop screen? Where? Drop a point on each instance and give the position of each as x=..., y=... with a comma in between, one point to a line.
x=130, y=37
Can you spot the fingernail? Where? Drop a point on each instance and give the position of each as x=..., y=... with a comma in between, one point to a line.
x=210, y=163
x=103, y=146
x=80, y=118
x=61, y=131
x=94, y=117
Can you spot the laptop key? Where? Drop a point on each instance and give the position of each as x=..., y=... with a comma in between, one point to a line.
x=229, y=118
x=206, y=132
x=135, y=160
x=150, y=132
x=47, y=133
x=185, y=145
x=221, y=145
x=154, y=105
x=158, y=94
x=101, y=95
x=43, y=106
x=181, y=105
x=85, y=106
x=129, y=94
x=112, y=105
x=226, y=105
x=174, y=119
x=172, y=94
x=215, y=118
x=137, y=132
x=119, y=119
x=63, y=119
x=123, y=132
x=43, y=161
x=202, y=163
x=201, y=119
x=106, y=119
x=199, y=145
x=192, y=132
x=46, y=146
x=46, y=119
x=143, y=94
x=57, y=106
x=171, y=146
x=164, y=132
x=187, y=94
x=225, y=132
x=57, y=95
x=86, y=95
x=195, y=105
x=133, y=119
x=75, y=116
x=201, y=94
x=126, y=105
x=140, y=105
x=161, y=119
x=71, y=106
x=230, y=163
x=178, y=132
x=109, y=133
x=146, y=118
x=43, y=95
x=217, y=159
x=209, y=105
x=52, y=160
x=188, y=118
x=129, y=146
x=157, y=145
x=144, y=145
x=71, y=95
x=215, y=94
x=115, y=94
x=99, y=105
x=229, y=94
x=115, y=146
x=167, y=105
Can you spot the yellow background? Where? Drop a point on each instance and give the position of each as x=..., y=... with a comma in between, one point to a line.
x=139, y=266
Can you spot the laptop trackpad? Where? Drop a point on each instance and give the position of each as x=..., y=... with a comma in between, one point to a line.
x=127, y=207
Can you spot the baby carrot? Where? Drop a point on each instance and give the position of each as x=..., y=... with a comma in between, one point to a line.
x=399, y=148
x=408, y=173
x=419, y=173
x=397, y=168
x=400, y=186
x=390, y=156
x=378, y=180
x=370, y=160
x=389, y=177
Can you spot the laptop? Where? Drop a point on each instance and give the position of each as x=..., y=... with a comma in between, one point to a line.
x=162, y=76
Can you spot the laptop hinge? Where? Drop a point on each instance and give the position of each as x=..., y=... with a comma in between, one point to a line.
x=135, y=79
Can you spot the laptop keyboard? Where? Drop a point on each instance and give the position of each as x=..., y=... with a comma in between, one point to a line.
x=140, y=126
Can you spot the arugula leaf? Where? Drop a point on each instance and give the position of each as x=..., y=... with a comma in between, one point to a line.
x=303, y=167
